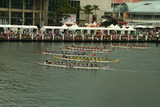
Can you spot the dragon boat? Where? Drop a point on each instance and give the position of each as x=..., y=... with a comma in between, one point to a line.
x=85, y=48
x=72, y=66
x=88, y=59
x=130, y=46
x=60, y=53
x=88, y=50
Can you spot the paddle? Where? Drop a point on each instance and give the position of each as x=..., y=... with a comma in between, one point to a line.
x=116, y=60
x=56, y=56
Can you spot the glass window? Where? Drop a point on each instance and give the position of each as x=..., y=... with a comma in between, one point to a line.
x=28, y=15
x=16, y=14
x=37, y=22
x=50, y=5
x=17, y=4
x=37, y=5
x=4, y=13
x=16, y=21
x=28, y=4
x=4, y=3
x=4, y=21
x=28, y=21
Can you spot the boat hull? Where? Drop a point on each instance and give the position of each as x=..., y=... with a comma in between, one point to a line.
x=103, y=61
x=78, y=67
x=130, y=47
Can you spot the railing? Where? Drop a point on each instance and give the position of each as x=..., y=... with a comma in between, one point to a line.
x=113, y=37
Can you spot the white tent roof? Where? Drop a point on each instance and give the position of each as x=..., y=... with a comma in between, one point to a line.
x=64, y=26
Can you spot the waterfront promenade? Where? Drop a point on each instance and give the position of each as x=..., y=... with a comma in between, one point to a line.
x=78, y=34
x=69, y=40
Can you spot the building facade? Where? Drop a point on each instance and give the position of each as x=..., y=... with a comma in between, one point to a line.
x=133, y=12
x=81, y=17
x=144, y=12
x=23, y=12
x=35, y=12
x=103, y=6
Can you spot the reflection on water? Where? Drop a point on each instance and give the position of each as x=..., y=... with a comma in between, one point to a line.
x=133, y=81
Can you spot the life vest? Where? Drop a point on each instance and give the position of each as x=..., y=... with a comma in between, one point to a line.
x=144, y=45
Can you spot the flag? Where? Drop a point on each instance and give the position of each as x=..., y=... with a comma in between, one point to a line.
x=109, y=51
x=94, y=55
x=39, y=51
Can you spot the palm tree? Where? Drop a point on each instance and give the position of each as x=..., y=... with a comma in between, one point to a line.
x=95, y=8
x=87, y=10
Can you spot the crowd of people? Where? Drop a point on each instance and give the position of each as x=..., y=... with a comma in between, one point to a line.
x=77, y=35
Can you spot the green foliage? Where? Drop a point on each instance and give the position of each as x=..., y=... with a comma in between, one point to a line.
x=89, y=8
x=64, y=9
x=95, y=8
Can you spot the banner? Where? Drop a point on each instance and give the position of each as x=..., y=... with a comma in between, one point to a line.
x=69, y=20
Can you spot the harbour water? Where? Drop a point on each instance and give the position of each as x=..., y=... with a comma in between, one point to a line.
x=134, y=81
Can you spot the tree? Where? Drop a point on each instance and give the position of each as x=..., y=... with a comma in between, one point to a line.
x=78, y=9
x=62, y=9
x=87, y=10
x=95, y=8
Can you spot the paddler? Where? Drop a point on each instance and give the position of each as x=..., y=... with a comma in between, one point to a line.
x=66, y=63
x=91, y=65
x=47, y=50
x=62, y=63
x=47, y=60
x=144, y=45
x=79, y=64
x=55, y=62
x=75, y=64
x=63, y=56
x=106, y=58
x=86, y=64
x=95, y=64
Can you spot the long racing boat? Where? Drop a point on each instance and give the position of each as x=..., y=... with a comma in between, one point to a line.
x=65, y=53
x=87, y=59
x=88, y=50
x=130, y=46
x=67, y=66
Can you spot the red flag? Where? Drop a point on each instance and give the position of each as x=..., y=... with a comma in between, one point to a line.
x=39, y=51
x=94, y=55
